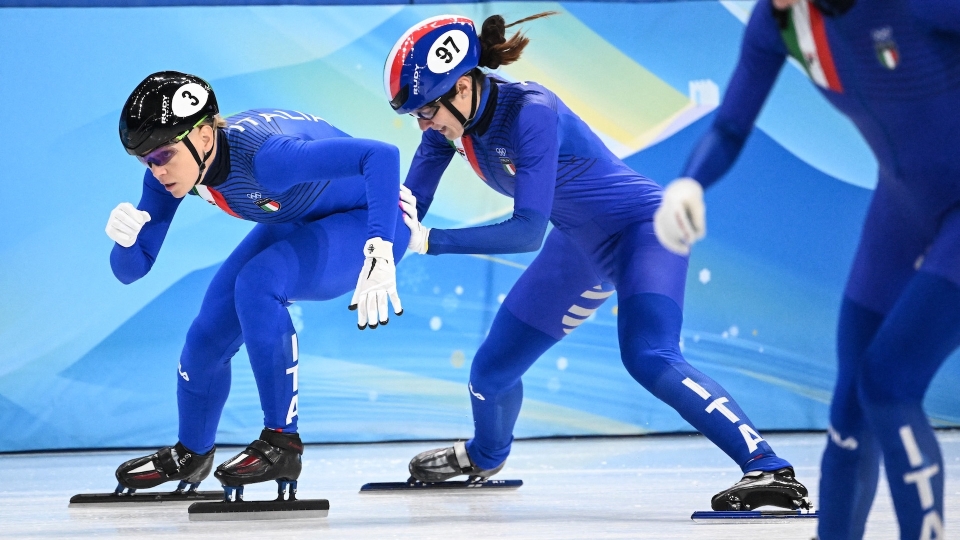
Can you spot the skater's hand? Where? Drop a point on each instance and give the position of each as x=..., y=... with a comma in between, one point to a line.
x=418, y=233
x=681, y=219
x=125, y=223
x=378, y=280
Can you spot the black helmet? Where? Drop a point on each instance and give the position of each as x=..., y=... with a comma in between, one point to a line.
x=164, y=106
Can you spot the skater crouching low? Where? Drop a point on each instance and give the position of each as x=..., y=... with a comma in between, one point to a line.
x=326, y=211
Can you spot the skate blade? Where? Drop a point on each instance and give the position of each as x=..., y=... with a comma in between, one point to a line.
x=257, y=510
x=86, y=500
x=750, y=516
x=449, y=484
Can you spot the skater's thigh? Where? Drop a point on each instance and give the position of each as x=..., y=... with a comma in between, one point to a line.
x=559, y=290
x=318, y=260
x=645, y=266
x=943, y=257
x=856, y=329
x=916, y=337
x=218, y=301
x=895, y=236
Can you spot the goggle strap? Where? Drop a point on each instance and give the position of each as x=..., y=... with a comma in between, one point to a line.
x=196, y=155
x=473, y=103
x=453, y=110
x=185, y=133
x=474, y=93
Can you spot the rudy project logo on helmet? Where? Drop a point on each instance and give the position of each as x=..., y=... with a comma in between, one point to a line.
x=165, y=110
x=416, y=80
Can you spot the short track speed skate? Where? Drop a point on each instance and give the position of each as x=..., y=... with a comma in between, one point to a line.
x=433, y=469
x=274, y=456
x=758, y=489
x=167, y=464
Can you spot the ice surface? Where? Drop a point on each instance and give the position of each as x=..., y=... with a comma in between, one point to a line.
x=636, y=487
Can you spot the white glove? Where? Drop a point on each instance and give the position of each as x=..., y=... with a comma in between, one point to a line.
x=681, y=219
x=125, y=223
x=378, y=280
x=418, y=233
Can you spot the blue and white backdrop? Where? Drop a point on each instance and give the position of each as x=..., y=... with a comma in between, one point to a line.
x=87, y=362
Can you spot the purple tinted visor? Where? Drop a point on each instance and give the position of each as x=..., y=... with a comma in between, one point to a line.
x=160, y=157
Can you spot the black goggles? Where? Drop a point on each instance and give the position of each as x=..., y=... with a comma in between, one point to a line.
x=428, y=111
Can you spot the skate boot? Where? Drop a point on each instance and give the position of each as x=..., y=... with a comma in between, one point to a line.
x=274, y=456
x=445, y=463
x=763, y=488
x=169, y=463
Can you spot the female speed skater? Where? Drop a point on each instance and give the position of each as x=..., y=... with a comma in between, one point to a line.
x=893, y=67
x=326, y=211
x=523, y=142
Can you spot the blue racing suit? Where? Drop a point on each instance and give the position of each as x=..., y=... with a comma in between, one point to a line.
x=317, y=196
x=893, y=67
x=526, y=144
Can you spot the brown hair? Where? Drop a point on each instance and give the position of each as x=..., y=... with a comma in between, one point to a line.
x=495, y=49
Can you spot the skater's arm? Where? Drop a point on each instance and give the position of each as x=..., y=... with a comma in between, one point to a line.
x=132, y=263
x=536, y=180
x=284, y=161
x=432, y=157
x=762, y=55
x=681, y=219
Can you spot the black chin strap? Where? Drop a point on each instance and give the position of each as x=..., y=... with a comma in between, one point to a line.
x=445, y=101
x=202, y=163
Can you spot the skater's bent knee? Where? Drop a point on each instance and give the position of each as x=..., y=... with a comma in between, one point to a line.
x=486, y=388
x=648, y=365
x=873, y=394
x=257, y=280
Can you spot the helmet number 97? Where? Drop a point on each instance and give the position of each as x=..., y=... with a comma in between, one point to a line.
x=447, y=51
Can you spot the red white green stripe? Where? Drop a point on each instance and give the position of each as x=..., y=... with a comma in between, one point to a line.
x=269, y=206
x=465, y=148
x=889, y=57
x=806, y=39
x=215, y=198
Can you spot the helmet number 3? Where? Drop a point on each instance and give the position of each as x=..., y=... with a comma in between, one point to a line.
x=188, y=99
x=447, y=51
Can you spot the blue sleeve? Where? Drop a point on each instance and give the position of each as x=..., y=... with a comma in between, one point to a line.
x=537, y=155
x=432, y=157
x=939, y=14
x=132, y=263
x=284, y=161
x=761, y=57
